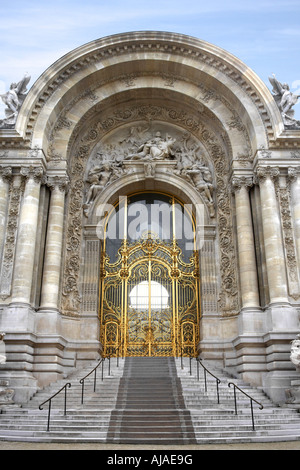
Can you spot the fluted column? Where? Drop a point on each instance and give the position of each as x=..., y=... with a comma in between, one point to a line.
x=275, y=259
x=294, y=177
x=53, y=251
x=5, y=176
x=246, y=249
x=26, y=242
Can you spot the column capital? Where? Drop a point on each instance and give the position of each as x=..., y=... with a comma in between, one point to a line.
x=237, y=182
x=5, y=173
x=33, y=172
x=262, y=173
x=57, y=182
x=293, y=173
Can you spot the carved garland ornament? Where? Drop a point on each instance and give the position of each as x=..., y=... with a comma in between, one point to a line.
x=229, y=291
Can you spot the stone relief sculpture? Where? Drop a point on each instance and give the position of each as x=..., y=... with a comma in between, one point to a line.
x=154, y=149
x=108, y=164
x=295, y=352
x=293, y=394
x=13, y=99
x=285, y=100
x=2, y=349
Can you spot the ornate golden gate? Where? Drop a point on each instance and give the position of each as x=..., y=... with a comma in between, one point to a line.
x=150, y=300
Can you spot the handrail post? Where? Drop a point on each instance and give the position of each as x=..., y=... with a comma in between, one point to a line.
x=190, y=366
x=218, y=381
x=251, y=402
x=235, y=403
x=252, y=416
x=49, y=411
x=82, y=390
x=109, y=365
x=50, y=401
x=95, y=378
x=65, y=404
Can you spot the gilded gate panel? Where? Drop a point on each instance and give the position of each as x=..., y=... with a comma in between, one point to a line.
x=150, y=301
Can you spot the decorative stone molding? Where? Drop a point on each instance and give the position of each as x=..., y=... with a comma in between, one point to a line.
x=71, y=297
x=283, y=194
x=33, y=172
x=6, y=173
x=59, y=182
x=15, y=196
x=154, y=44
x=264, y=172
x=242, y=181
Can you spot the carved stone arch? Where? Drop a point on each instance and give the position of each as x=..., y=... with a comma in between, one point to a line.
x=216, y=155
x=213, y=76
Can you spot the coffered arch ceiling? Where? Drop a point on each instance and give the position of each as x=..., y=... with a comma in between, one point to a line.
x=95, y=83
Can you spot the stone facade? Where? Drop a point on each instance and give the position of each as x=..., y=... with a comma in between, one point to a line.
x=75, y=147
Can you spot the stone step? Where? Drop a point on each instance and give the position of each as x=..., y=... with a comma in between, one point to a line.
x=150, y=401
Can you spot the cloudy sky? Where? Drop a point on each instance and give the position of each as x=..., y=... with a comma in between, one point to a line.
x=264, y=34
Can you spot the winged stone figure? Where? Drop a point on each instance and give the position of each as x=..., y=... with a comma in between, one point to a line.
x=13, y=99
x=285, y=100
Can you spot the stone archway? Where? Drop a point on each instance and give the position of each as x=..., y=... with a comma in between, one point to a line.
x=104, y=97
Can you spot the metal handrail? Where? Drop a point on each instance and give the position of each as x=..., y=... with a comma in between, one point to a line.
x=81, y=381
x=118, y=349
x=67, y=385
x=251, y=401
x=218, y=381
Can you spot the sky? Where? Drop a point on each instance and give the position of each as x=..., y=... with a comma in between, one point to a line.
x=264, y=34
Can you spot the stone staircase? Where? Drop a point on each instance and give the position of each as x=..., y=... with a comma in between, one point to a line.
x=149, y=401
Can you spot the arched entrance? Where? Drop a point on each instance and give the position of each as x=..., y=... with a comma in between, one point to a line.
x=150, y=303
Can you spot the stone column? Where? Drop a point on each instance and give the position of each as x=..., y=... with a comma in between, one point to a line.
x=246, y=249
x=5, y=176
x=25, y=250
x=281, y=317
x=294, y=177
x=275, y=259
x=53, y=251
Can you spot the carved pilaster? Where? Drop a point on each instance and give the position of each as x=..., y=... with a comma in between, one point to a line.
x=8, y=255
x=293, y=232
